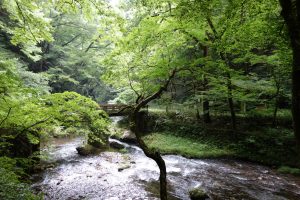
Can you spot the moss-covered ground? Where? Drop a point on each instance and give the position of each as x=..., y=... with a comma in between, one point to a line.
x=255, y=139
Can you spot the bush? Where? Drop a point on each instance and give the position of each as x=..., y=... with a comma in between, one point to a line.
x=56, y=114
x=11, y=188
x=284, y=116
x=198, y=194
x=289, y=170
x=71, y=110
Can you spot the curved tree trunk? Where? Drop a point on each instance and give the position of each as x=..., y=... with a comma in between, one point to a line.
x=136, y=119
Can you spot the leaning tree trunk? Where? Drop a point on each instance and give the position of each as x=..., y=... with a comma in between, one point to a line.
x=135, y=119
x=291, y=15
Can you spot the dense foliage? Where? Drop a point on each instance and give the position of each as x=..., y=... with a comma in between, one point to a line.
x=59, y=59
x=28, y=111
x=224, y=51
x=11, y=187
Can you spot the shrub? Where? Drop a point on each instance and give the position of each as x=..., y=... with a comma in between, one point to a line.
x=11, y=188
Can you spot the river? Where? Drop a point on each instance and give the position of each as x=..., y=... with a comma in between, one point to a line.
x=129, y=174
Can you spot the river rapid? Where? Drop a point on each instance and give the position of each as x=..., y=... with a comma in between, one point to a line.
x=129, y=174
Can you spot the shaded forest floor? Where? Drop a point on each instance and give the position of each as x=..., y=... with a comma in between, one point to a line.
x=255, y=139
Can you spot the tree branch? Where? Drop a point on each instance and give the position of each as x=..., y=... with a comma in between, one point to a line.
x=35, y=124
x=131, y=86
x=158, y=93
x=74, y=38
x=24, y=21
x=126, y=107
x=6, y=117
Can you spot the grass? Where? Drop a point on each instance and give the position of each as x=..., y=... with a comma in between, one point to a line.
x=254, y=140
x=167, y=143
x=289, y=170
x=260, y=149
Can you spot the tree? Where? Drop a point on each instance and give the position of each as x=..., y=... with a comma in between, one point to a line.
x=146, y=59
x=291, y=14
x=72, y=61
x=27, y=110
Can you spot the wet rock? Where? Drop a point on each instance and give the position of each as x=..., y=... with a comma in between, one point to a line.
x=128, y=137
x=37, y=188
x=266, y=172
x=123, y=167
x=87, y=150
x=198, y=194
x=43, y=166
x=116, y=145
x=59, y=182
x=82, y=151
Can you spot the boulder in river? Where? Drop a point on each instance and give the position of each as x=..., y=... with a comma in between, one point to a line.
x=116, y=145
x=125, y=166
x=198, y=194
x=87, y=150
x=128, y=137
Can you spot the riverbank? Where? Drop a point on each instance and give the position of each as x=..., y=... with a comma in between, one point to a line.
x=254, y=140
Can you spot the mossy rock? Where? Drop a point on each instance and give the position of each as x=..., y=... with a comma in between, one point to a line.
x=198, y=194
x=88, y=150
x=116, y=145
x=128, y=137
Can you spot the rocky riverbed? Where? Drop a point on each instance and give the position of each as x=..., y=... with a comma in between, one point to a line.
x=129, y=174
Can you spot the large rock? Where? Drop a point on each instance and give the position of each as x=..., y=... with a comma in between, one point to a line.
x=128, y=137
x=82, y=151
x=88, y=150
x=198, y=194
x=116, y=145
x=125, y=166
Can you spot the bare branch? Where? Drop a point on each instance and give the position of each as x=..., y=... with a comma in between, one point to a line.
x=130, y=83
x=158, y=93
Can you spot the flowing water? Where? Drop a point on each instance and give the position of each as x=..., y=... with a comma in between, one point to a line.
x=128, y=175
